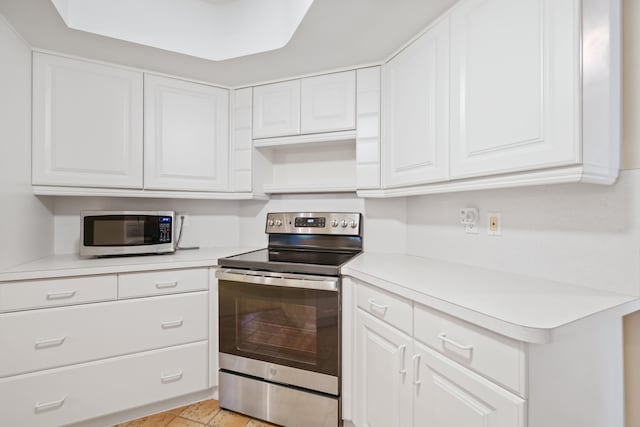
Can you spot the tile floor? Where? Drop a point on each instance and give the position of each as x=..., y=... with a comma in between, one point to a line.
x=205, y=413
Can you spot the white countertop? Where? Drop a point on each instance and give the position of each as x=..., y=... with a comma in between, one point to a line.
x=524, y=308
x=74, y=265
x=520, y=307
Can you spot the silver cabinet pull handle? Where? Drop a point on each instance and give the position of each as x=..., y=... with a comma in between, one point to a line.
x=61, y=295
x=39, y=407
x=171, y=378
x=416, y=370
x=375, y=306
x=402, y=350
x=444, y=338
x=172, y=324
x=52, y=342
x=167, y=285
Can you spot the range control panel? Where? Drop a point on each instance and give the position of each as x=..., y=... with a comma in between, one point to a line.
x=341, y=223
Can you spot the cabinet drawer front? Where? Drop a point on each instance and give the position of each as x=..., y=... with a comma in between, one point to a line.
x=495, y=356
x=392, y=309
x=444, y=390
x=131, y=285
x=45, y=339
x=28, y=294
x=80, y=392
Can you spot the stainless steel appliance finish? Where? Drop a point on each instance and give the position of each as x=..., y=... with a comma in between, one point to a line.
x=280, y=374
x=108, y=233
x=280, y=279
x=276, y=403
x=345, y=223
x=280, y=320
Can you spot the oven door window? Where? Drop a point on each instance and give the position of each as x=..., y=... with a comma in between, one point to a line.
x=288, y=326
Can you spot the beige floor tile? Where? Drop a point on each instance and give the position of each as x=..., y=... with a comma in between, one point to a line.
x=201, y=412
x=183, y=422
x=258, y=423
x=157, y=420
x=178, y=411
x=226, y=418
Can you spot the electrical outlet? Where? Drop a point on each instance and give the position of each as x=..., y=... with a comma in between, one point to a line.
x=469, y=218
x=494, y=224
x=185, y=220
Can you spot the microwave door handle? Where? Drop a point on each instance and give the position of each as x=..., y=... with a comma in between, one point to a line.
x=275, y=279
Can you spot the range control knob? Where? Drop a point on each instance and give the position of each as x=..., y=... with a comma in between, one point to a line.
x=334, y=223
x=353, y=224
x=278, y=222
x=270, y=223
x=343, y=223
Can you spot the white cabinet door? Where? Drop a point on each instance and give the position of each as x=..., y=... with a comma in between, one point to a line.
x=448, y=395
x=87, y=124
x=186, y=137
x=382, y=377
x=328, y=103
x=515, y=85
x=276, y=109
x=415, y=105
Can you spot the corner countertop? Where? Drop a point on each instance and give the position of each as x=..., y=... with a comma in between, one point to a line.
x=75, y=265
x=523, y=308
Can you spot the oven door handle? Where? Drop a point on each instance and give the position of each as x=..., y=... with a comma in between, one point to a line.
x=280, y=279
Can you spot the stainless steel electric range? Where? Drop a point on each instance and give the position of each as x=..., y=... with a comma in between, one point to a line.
x=280, y=320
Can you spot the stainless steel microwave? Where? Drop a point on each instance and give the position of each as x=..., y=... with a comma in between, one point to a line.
x=104, y=233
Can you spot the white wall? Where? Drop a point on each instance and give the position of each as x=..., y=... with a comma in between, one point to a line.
x=27, y=222
x=580, y=234
x=209, y=223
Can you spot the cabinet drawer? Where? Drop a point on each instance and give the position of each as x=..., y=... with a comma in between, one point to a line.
x=28, y=294
x=384, y=305
x=44, y=339
x=76, y=393
x=132, y=285
x=492, y=355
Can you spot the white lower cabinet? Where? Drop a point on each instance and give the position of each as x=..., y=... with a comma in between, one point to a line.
x=79, y=392
x=383, y=387
x=87, y=359
x=399, y=381
x=449, y=395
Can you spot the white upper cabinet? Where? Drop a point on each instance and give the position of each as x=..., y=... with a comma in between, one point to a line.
x=186, y=135
x=415, y=102
x=87, y=124
x=328, y=103
x=320, y=104
x=515, y=69
x=276, y=109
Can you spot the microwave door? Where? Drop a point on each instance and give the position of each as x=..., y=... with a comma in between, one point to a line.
x=117, y=232
x=134, y=232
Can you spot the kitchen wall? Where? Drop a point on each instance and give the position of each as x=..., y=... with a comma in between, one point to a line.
x=27, y=222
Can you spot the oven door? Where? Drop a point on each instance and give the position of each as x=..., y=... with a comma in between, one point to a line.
x=282, y=320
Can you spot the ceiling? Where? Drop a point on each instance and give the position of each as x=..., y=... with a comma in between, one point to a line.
x=334, y=34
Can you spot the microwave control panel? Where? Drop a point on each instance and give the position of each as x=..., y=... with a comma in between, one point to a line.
x=164, y=226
